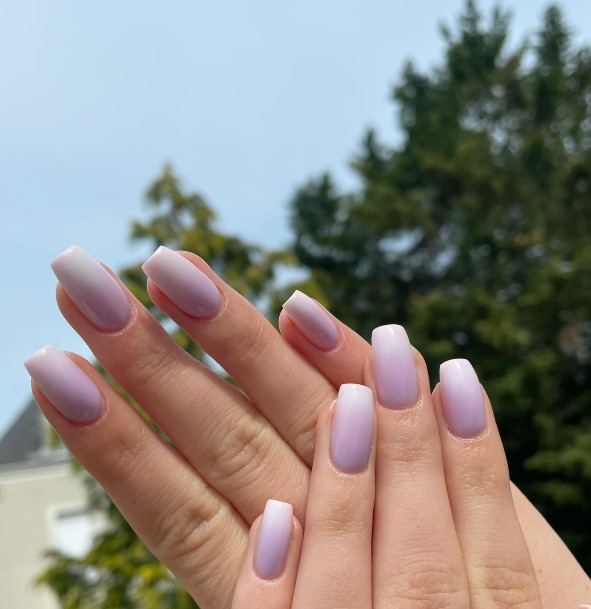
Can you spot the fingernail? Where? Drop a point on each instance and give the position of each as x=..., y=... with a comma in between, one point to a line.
x=65, y=385
x=189, y=288
x=312, y=320
x=461, y=398
x=394, y=368
x=273, y=539
x=92, y=288
x=352, y=428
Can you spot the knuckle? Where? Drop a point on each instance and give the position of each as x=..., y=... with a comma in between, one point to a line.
x=120, y=450
x=147, y=363
x=486, y=479
x=250, y=343
x=243, y=451
x=510, y=586
x=187, y=532
x=426, y=586
x=341, y=514
x=304, y=437
x=403, y=455
x=315, y=400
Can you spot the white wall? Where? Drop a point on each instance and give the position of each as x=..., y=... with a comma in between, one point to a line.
x=31, y=502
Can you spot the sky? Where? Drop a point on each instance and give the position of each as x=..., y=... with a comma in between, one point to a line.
x=247, y=100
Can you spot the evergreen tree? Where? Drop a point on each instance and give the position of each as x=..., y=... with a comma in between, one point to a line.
x=474, y=234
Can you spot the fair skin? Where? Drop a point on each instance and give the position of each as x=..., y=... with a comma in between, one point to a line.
x=193, y=504
x=339, y=565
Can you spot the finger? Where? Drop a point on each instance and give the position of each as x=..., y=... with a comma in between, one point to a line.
x=284, y=387
x=417, y=557
x=188, y=526
x=498, y=564
x=335, y=565
x=269, y=569
x=329, y=345
x=213, y=425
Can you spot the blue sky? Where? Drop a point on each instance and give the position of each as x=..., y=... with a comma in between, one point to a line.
x=246, y=99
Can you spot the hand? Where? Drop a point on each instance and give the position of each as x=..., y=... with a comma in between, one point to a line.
x=192, y=505
x=472, y=554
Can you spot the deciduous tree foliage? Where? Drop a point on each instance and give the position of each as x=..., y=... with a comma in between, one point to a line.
x=473, y=232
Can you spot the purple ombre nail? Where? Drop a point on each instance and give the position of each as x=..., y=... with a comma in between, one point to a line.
x=65, y=385
x=312, y=320
x=461, y=398
x=189, y=288
x=92, y=288
x=274, y=538
x=352, y=428
x=394, y=367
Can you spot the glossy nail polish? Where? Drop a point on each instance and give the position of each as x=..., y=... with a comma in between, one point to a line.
x=65, y=385
x=394, y=368
x=93, y=289
x=352, y=428
x=312, y=320
x=189, y=288
x=462, y=401
x=274, y=538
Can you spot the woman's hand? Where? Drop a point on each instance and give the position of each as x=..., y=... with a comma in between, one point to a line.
x=472, y=555
x=193, y=504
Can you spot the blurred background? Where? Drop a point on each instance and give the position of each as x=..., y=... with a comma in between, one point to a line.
x=427, y=164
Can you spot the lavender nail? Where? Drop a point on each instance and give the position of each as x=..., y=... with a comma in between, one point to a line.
x=273, y=540
x=461, y=398
x=394, y=367
x=312, y=320
x=65, y=385
x=188, y=287
x=352, y=428
x=92, y=288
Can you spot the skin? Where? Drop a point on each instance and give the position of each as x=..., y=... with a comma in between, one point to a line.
x=193, y=504
x=474, y=562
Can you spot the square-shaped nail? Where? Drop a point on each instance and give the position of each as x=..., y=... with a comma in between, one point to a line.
x=65, y=385
x=188, y=287
x=274, y=539
x=394, y=368
x=312, y=321
x=93, y=289
x=462, y=401
x=352, y=428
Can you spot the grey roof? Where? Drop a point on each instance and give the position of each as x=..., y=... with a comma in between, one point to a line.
x=25, y=442
x=24, y=437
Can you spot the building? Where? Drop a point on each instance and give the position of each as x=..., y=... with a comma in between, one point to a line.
x=42, y=505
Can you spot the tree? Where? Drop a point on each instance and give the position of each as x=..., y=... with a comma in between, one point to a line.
x=474, y=234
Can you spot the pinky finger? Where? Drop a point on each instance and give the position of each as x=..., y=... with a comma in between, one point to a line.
x=269, y=570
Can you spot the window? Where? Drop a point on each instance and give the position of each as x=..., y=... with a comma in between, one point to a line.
x=72, y=530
